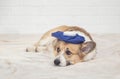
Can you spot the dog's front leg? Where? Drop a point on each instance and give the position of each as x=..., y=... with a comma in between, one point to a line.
x=35, y=48
x=32, y=49
x=41, y=45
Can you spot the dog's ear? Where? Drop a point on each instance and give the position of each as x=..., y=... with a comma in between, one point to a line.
x=54, y=43
x=87, y=47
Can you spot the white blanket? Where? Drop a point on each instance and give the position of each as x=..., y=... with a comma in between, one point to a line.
x=15, y=63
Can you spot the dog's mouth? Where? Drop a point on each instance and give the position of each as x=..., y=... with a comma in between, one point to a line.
x=68, y=63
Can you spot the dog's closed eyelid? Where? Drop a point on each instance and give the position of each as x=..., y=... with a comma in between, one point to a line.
x=68, y=52
x=58, y=49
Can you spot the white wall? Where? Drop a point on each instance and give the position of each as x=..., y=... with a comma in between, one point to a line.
x=37, y=16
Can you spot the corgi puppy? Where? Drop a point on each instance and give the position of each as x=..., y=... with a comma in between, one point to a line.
x=66, y=53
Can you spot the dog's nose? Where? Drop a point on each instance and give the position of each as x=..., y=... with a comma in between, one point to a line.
x=56, y=61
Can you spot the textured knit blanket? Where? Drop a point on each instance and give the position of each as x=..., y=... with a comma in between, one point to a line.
x=15, y=63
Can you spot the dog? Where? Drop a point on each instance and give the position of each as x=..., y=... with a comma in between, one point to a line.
x=66, y=53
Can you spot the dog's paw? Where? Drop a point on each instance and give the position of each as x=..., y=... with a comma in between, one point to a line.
x=30, y=49
x=33, y=49
x=37, y=49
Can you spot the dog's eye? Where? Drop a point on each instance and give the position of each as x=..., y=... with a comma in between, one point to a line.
x=58, y=49
x=68, y=52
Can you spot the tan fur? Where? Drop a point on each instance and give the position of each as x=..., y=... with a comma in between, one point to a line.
x=76, y=55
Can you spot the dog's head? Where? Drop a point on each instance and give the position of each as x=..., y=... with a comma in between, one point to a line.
x=68, y=53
